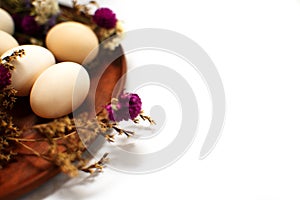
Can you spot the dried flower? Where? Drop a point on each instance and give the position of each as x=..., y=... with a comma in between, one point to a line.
x=27, y=3
x=112, y=38
x=17, y=21
x=112, y=43
x=44, y=10
x=6, y=66
x=5, y=76
x=30, y=26
x=135, y=105
x=105, y=18
x=127, y=106
x=7, y=94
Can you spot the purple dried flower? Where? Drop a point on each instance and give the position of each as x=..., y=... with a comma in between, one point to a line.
x=18, y=21
x=105, y=18
x=51, y=22
x=5, y=76
x=30, y=26
x=27, y=3
x=135, y=105
x=127, y=106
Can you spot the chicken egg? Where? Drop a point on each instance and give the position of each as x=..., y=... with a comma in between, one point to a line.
x=59, y=89
x=6, y=22
x=7, y=42
x=72, y=41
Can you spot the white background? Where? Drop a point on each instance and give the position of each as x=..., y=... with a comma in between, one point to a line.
x=256, y=46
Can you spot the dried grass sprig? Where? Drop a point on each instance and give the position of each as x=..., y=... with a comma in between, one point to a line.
x=65, y=147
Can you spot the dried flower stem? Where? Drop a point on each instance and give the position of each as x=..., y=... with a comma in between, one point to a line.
x=14, y=56
x=144, y=118
x=98, y=165
x=33, y=151
x=147, y=118
x=121, y=131
x=41, y=139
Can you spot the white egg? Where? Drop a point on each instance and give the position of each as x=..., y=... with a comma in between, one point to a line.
x=72, y=41
x=6, y=22
x=7, y=42
x=29, y=66
x=59, y=89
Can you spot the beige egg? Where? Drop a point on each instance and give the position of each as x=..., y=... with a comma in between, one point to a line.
x=29, y=67
x=72, y=41
x=59, y=90
x=7, y=42
x=6, y=22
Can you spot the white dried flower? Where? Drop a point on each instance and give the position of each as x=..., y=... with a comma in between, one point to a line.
x=44, y=10
x=112, y=43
